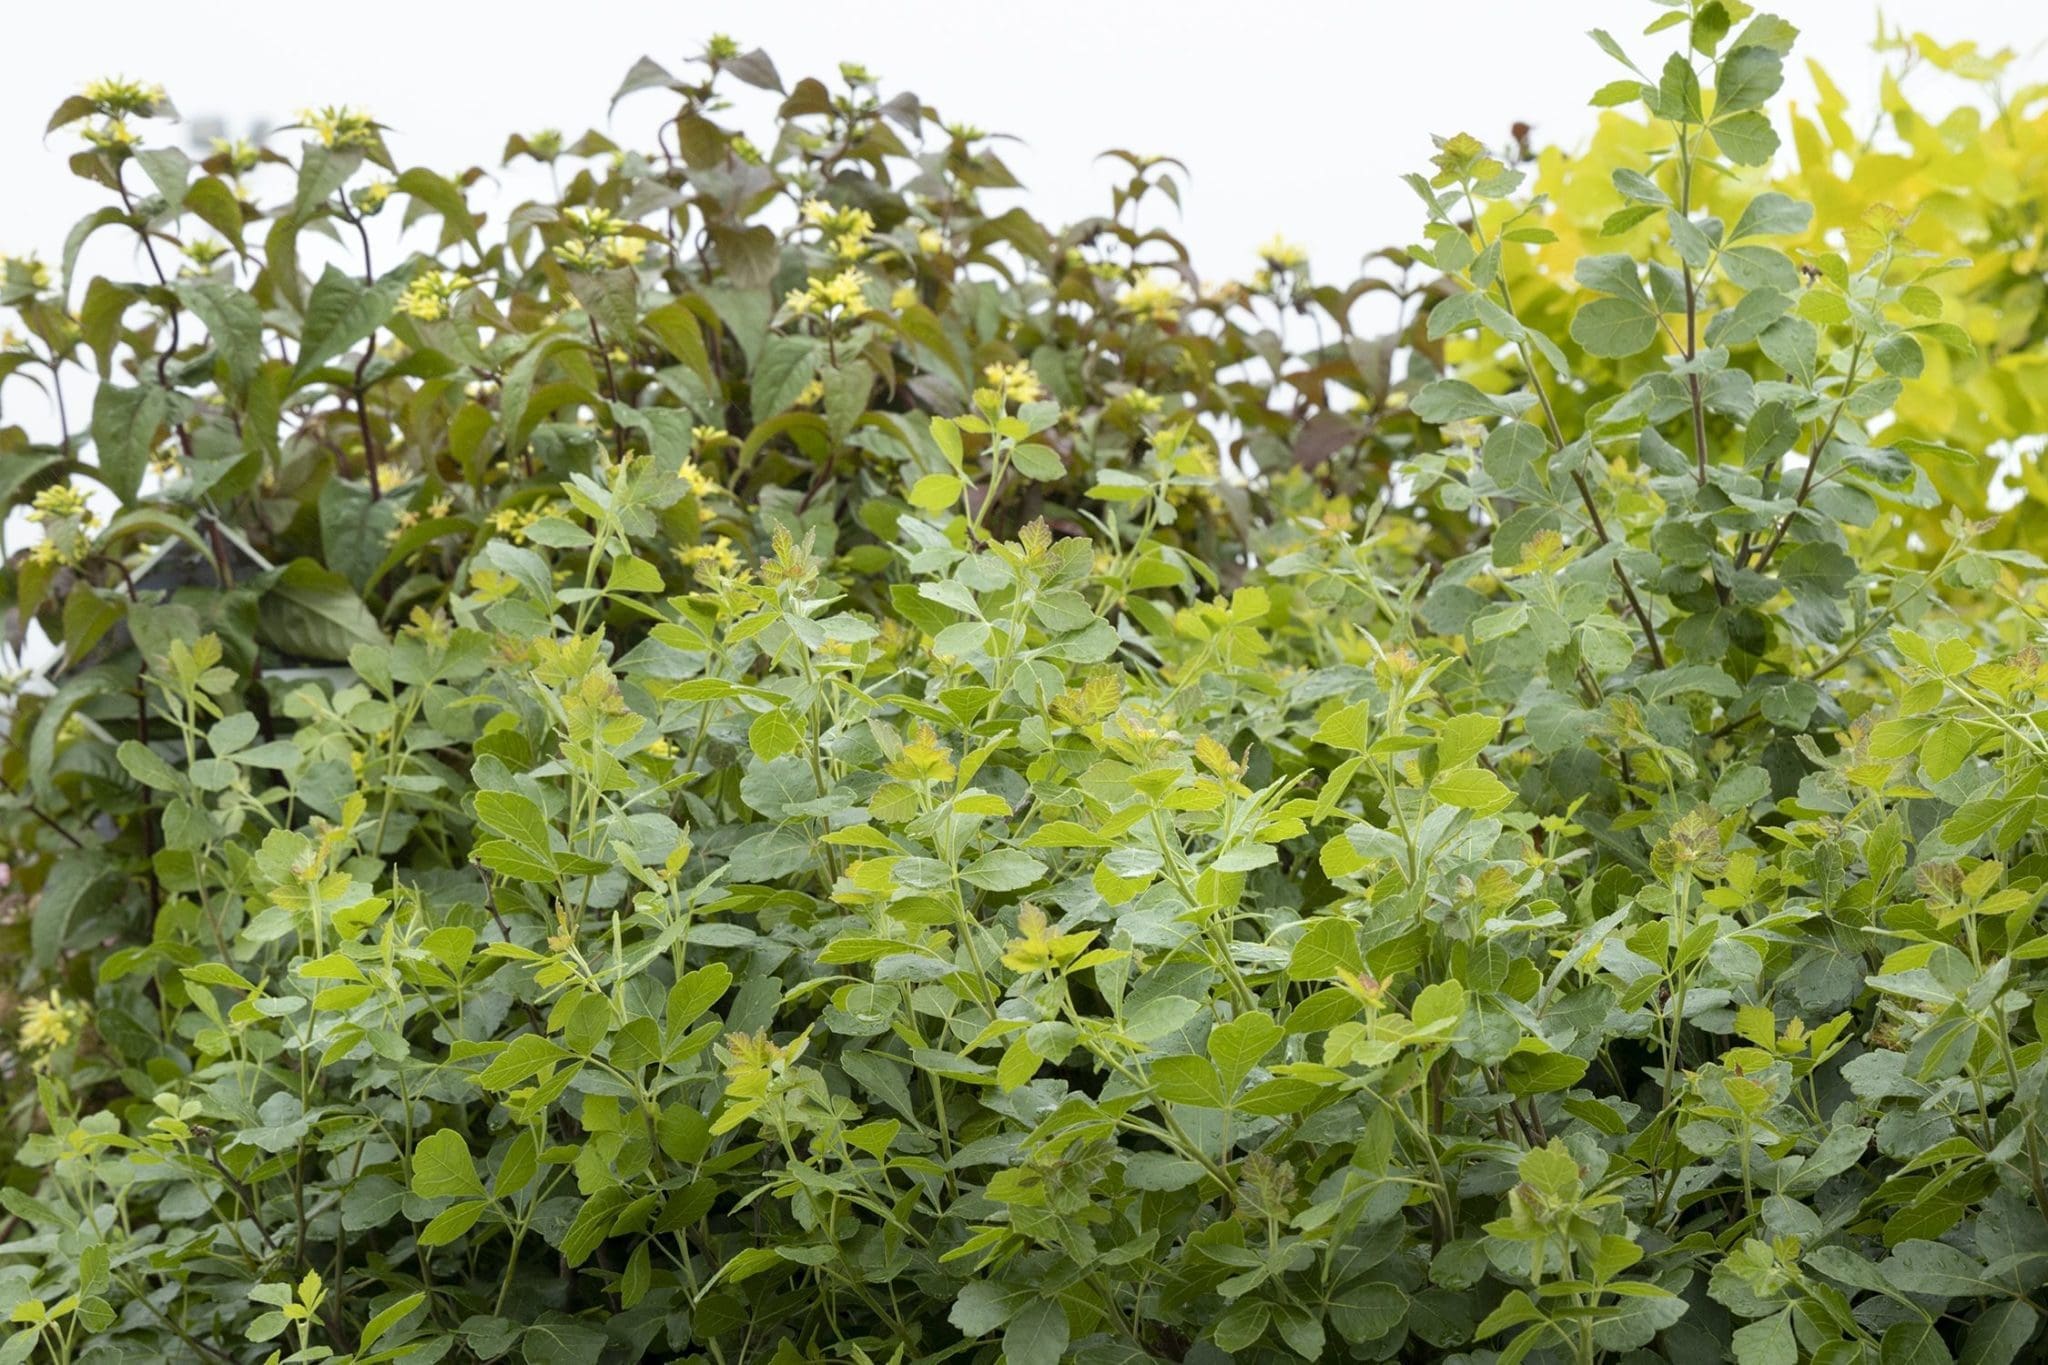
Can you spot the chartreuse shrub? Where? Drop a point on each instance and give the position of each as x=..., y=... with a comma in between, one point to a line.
x=767, y=759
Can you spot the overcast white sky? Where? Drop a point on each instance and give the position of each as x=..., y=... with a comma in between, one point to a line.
x=1291, y=115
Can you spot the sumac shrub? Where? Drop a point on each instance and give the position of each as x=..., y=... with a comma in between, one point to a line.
x=768, y=759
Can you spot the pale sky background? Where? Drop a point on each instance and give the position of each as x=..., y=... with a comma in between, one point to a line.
x=1291, y=115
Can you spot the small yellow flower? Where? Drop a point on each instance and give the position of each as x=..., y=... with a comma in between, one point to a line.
x=714, y=558
x=48, y=1024
x=812, y=393
x=708, y=437
x=242, y=155
x=431, y=293
x=60, y=501
x=1279, y=254
x=371, y=197
x=1154, y=295
x=701, y=484
x=594, y=224
x=118, y=96
x=931, y=241
x=904, y=296
x=1016, y=382
x=514, y=522
x=625, y=251
x=338, y=126
x=112, y=135
x=67, y=522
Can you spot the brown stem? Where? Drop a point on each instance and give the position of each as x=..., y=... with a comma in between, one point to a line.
x=37, y=811
x=611, y=382
x=1813, y=464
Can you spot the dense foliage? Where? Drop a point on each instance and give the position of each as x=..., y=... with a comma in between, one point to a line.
x=767, y=760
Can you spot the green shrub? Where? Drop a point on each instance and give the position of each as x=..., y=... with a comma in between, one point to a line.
x=768, y=760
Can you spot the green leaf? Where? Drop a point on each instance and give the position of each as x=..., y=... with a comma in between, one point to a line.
x=1240, y=1045
x=1454, y=400
x=1328, y=945
x=341, y=312
x=1767, y=1342
x=124, y=426
x=441, y=1165
x=1748, y=77
x=1004, y=869
x=1747, y=139
x=1614, y=327
x=1772, y=214
x=1189, y=1080
x=1037, y=1335
x=1464, y=738
x=388, y=1318
x=935, y=492
x=785, y=369
x=1438, y=1005
x=451, y=1222
x=311, y=612
x=1038, y=462
x=1473, y=789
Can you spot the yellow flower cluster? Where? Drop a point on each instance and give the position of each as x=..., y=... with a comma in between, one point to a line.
x=48, y=1023
x=118, y=96
x=931, y=241
x=847, y=230
x=431, y=294
x=603, y=241
x=408, y=518
x=610, y=253
x=241, y=155
x=338, y=126
x=702, y=485
x=714, y=558
x=1015, y=382
x=1280, y=254
x=24, y=272
x=67, y=523
x=371, y=197
x=1153, y=294
x=514, y=522
x=112, y=135
x=839, y=296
